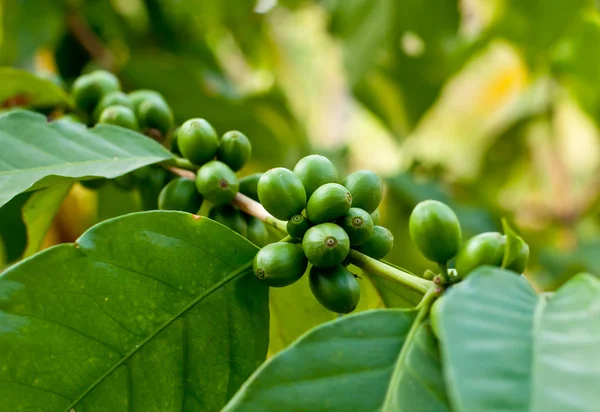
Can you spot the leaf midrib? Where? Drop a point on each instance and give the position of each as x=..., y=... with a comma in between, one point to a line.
x=242, y=270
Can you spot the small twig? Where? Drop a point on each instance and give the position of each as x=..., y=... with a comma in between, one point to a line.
x=257, y=210
x=90, y=41
x=181, y=172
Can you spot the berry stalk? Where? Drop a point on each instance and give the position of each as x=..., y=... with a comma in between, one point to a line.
x=381, y=269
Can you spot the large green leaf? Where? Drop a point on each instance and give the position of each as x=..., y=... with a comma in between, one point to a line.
x=351, y=364
x=156, y=310
x=38, y=213
x=22, y=88
x=506, y=348
x=37, y=154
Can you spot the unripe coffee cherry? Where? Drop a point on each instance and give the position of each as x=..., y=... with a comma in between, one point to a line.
x=366, y=189
x=297, y=226
x=137, y=97
x=231, y=217
x=281, y=193
x=197, y=141
x=520, y=263
x=257, y=231
x=117, y=98
x=314, y=171
x=483, y=249
x=326, y=245
x=379, y=244
x=358, y=224
x=155, y=113
x=234, y=150
x=335, y=288
x=217, y=183
x=435, y=229
x=249, y=185
x=280, y=264
x=328, y=203
x=119, y=116
x=88, y=89
x=180, y=194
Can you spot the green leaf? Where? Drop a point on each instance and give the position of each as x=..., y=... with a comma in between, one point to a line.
x=22, y=88
x=156, y=309
x=551, y=17
x=514, y=244
x=506, y=348
x=38, y=213
x=40, y=155
x=348, y=365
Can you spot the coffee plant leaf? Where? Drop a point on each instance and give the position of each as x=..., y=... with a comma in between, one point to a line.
x=156, y=309
x=506, y=348
x=40, y=155
x=351, y=364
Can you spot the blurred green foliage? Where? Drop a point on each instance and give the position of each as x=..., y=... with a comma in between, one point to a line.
x=489, y=105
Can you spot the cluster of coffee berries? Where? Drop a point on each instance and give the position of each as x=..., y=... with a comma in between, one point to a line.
x=325, y=219
x=436, y=231
x=99, y=99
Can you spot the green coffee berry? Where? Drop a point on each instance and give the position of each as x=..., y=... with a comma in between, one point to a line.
x=281, y=192
x=366, y=189
x=280, y=264
x=231, y=217
x=93, y=184
x=376, y=216
x=435, y=229
x=480, y=250
x=379, y=245
x=117, y=98
x=328, y=203
x=197, y=141
x=314, y=171
x=335, y=288
x=155, y=113
x=88, y=89
x=249, y=185
x=520, y=263
x=358, y=224
x=326, y=245
x=180, y=194
x=297, y=226
x=257, y=231
x=119, y=116
x=138, y=96
x=217, y=183
x=234, y=150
